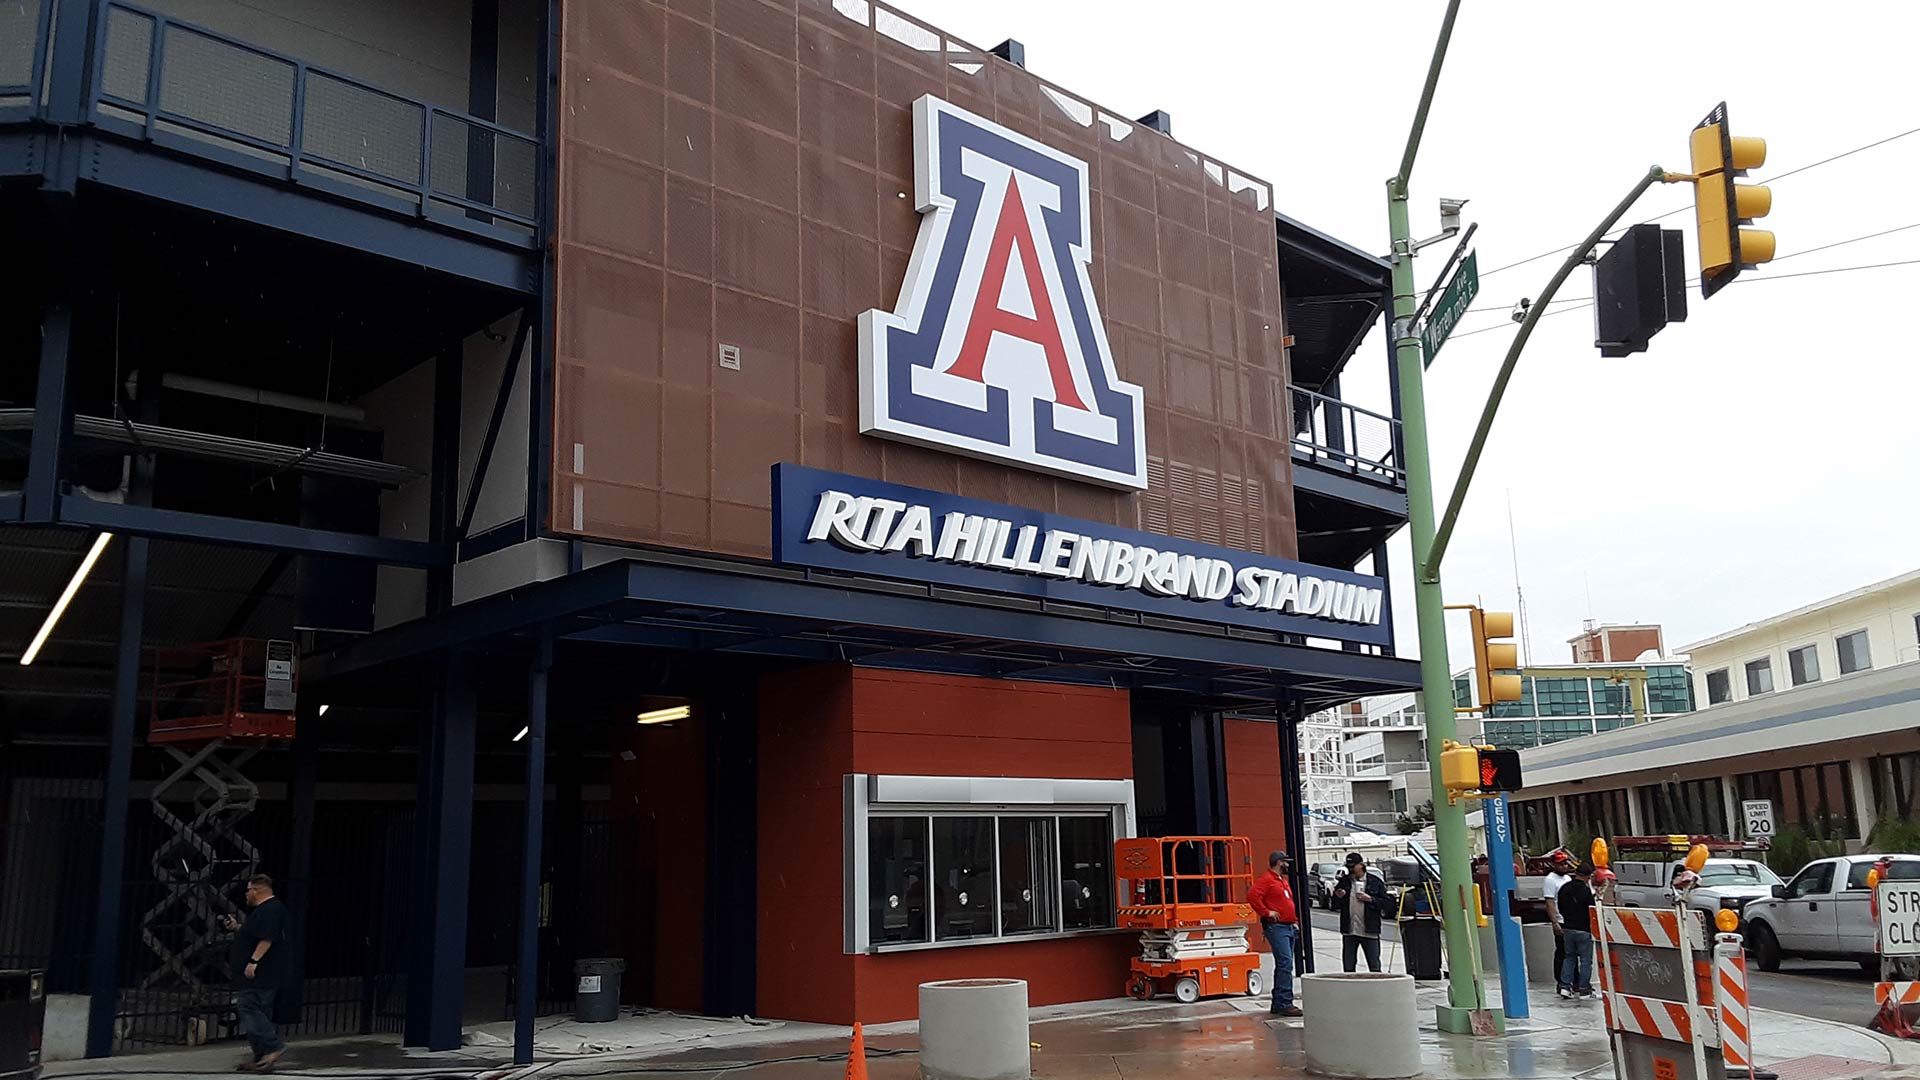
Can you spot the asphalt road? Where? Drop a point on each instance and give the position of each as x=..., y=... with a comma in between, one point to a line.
x=1821, y=989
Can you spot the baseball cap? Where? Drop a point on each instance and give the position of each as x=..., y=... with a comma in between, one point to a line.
x=1354, y=858
x=1278, y=856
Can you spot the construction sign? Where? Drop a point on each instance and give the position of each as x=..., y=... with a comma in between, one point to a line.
x=1676, y=1006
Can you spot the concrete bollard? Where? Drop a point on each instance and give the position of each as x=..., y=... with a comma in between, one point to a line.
x=1537, y=940
x=1361, y=1025
x=974, y=1029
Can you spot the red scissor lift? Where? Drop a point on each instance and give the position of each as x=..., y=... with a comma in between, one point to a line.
x=212, y=708
x=1187, y=895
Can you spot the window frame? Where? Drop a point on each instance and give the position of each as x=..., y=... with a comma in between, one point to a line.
x=1812, y=648
x=867, y=796
x=1749, y=669
x=1725, y=673
x=1840, y=657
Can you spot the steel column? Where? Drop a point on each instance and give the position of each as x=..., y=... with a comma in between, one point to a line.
x=483, y=68
x=103, y=981
x=437, y=980
x=1290, y=713
x=52, y=416
x=526, y=976
x=444, y=482
x=289, y=1003
x=1386, y=593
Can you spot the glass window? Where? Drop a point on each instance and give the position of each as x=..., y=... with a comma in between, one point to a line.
x=1719, y=687
x=1509, y=734
x=1463, y=692
x=1685, y=806
x=1857, y=875
x=1026, y=875
x=897, y=879
x=1803, y=664
x=1854, y=654
x=1611, y=699
x=1516, y=709
x=1669, y=690
x=1894, y=783
x=1086, y=874
x=1815, y=880
x=963, y=869
x=1760, y=676
x=1562, y=697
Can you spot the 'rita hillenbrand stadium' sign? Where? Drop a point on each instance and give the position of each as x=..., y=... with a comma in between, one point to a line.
x=867, y=526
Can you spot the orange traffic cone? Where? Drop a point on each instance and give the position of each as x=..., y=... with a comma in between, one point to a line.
x=857, y=1055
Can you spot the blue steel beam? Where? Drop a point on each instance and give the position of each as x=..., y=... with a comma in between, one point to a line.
x=52, y=415
x=103, y=974
x=207, y=528
x=500, y=399
x=527, y=965
x=129, y=167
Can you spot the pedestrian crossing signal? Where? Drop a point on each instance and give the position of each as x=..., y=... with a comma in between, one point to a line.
x=1499, y=769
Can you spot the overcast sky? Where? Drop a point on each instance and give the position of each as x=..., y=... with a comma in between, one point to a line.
x=1758, y=457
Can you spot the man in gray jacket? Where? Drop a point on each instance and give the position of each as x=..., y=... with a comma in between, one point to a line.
x=1360, y=895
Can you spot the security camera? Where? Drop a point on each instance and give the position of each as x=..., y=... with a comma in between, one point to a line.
x=1450, y=213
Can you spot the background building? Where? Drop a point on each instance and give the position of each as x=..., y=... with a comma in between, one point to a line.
x=1562, y=706
x=1616, y=643
x=1833, y=753
x=1873, y=626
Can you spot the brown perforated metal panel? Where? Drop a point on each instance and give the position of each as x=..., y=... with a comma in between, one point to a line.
x=739, y=173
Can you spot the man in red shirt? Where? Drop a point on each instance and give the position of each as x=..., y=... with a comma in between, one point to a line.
x=1271, y=898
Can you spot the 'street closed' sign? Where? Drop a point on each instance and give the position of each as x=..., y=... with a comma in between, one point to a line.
x=1899, y=918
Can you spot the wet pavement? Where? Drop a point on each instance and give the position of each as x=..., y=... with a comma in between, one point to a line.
x=1112, y=1040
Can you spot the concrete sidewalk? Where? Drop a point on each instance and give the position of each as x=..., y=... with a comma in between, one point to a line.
x=1119, y=1038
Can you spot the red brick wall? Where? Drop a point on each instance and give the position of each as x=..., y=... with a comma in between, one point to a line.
x=818, y=725
x=806, y=747
x=1255, y=799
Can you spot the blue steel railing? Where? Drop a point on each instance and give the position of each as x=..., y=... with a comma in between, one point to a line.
x=1335, y=435
x=26, y=31
x=202, y=92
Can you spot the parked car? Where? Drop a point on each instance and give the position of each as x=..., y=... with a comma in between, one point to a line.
x=1729, y=884
x=1823, y=914
x=1320, y=879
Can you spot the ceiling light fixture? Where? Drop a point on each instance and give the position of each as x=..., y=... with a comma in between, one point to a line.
x=665, y=716
x=523, y=734
x=324, y=708
x=66, y=597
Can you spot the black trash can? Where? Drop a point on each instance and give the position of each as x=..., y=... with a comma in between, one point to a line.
x=23, y=1011
x=596, y=996
x=1422, y=937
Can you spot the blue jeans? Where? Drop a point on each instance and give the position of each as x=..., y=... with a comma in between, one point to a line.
x=1352, y=944
x=1280, y=940
x=254, y=1006
x=1577, y=974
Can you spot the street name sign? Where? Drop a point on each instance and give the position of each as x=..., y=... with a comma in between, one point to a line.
x=1453, y=303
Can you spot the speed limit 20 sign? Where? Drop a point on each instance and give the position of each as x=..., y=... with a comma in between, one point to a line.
x=1759, y=818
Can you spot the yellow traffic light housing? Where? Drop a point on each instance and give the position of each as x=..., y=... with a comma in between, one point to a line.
x=1722, y=207
x=1459, y=768
x=1490, y=655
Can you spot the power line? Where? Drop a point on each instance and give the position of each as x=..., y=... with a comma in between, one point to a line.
x=1587, y=301
x=1681, y=209
x=1783, y=258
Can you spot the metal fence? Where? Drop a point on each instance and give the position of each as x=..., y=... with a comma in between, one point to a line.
x=1333, y=434
x=200, y=91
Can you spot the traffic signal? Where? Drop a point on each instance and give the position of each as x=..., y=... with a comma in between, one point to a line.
x=1639, y=286
x=1499, y=769
x=1490, y=655
x=1459, y=767
x=1721, y=206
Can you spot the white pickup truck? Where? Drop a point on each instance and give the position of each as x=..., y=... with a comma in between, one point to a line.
x=1823, y=913
x=1729, y=884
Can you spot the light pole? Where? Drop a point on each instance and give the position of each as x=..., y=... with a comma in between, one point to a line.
x=1465, y=993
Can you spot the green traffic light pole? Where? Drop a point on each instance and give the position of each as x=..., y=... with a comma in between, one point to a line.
x=1466, y=994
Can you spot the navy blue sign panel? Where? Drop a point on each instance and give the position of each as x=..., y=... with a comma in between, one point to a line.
x=841, y=522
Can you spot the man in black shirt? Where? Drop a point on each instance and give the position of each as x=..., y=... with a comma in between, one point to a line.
x=256, y=959
x=1576, y=915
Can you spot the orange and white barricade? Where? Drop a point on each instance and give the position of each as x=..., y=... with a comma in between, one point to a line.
x=1674, y=1003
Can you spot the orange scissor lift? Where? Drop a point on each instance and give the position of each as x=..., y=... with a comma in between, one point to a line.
x=1187, y=896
